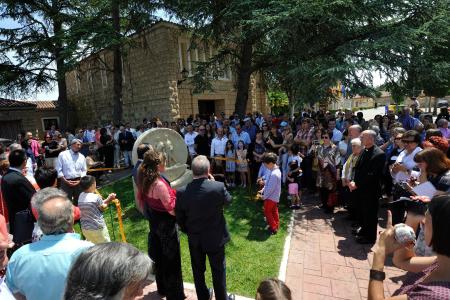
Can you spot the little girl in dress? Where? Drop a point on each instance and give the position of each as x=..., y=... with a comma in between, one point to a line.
x=242, y=164
x=230, y=167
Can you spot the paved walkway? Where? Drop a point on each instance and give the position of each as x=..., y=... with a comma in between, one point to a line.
x=324, y=260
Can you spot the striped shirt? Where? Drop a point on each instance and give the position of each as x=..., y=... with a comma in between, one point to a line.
x=91, y=215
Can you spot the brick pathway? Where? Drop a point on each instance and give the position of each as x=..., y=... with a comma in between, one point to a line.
x=325, y=262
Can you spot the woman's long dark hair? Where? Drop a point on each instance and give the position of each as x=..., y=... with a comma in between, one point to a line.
x=148, y=171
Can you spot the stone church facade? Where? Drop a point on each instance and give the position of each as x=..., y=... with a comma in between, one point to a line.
x=153, y=84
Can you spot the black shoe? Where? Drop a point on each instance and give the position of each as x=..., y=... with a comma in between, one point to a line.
x=355, y=225
x=364, y=241
x=211, y=293
x=272, y=232
x=356, y=231
x=231, y=297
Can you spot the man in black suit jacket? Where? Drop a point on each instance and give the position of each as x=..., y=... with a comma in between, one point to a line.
x=199, y=213
x=367, y=185
x=16, y=189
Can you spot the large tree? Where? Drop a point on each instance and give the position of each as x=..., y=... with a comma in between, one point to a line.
x=37, y=48
x=317, y=41
x=108, y=24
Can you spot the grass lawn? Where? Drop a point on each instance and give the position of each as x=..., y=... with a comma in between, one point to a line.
x=252, y=254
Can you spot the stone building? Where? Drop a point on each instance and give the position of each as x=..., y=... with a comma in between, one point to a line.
x=153, y=82
x=35, y=116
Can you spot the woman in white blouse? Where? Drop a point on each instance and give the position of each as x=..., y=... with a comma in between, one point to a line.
x=402, y=170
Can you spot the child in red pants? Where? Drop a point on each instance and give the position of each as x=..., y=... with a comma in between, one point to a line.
x=271, y=192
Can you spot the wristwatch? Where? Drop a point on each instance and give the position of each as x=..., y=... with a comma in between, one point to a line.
x=377, y=275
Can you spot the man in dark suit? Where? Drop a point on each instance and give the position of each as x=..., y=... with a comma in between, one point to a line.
x=199, y=213
x=17, y=191
x=126, y=143
x=367, y=186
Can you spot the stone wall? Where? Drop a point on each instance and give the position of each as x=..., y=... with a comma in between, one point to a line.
x=30, y=119
x=151, y=74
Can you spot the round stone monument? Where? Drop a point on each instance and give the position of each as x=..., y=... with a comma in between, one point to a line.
x=173, y=146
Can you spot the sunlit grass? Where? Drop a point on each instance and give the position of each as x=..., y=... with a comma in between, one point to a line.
x=252, y=254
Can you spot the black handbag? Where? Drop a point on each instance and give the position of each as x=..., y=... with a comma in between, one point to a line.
x=23, y=226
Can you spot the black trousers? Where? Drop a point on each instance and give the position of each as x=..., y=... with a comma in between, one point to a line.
x=323, y=195
x=369, y=214
x=217, y=263
x=164, y=250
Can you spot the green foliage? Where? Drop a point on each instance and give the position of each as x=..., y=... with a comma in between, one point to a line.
x=278, y=101
x=252, y=254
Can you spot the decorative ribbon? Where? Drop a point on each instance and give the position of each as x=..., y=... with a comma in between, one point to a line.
x=119, y=218
x=103, y=169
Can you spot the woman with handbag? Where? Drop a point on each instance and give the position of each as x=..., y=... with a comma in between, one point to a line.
x=329, y=162
x=401, y=172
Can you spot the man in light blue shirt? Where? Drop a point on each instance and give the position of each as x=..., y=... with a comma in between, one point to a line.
x=240, y=135
x=39, y=270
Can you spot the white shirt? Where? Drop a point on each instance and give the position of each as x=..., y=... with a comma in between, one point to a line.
x=406, y=160
x=189, y=139
x=218, y=146
x=71, y=165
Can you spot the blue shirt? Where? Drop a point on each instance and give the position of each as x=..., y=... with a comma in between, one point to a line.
x=39, y=270
x=251, y=131
x=243, y=136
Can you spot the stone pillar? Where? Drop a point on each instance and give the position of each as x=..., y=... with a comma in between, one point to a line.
x=174, y=104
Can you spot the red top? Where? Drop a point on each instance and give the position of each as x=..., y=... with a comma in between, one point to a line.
x=160, y=197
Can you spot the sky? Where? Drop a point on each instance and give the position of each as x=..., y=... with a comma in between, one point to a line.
x=52, y=93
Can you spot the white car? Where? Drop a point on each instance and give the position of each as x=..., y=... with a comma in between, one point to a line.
x=442, y=103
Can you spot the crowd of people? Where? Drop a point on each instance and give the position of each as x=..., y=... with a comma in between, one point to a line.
x=394, y=160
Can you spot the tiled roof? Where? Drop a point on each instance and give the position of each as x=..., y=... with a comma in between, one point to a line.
x=44, y=105
x=39, y=105
x=4, y=103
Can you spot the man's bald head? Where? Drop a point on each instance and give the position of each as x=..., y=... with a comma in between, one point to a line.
x=55, y=211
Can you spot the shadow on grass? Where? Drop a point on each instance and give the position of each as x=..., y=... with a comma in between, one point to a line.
x=252, y=254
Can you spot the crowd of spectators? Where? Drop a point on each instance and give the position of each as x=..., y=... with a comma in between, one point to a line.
x=394, y=160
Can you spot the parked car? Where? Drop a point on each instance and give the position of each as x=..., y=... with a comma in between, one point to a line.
x=442, y=103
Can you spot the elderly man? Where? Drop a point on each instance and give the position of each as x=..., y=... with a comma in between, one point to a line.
x=199, y=213
x=71, y=166
x=367, y=185
x=39, y=270
x=354, y=132
x=18, y=190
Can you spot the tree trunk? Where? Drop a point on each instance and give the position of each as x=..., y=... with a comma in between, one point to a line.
x=60, y=77
x=244, y=71
x=117, y=67
x=435, y=109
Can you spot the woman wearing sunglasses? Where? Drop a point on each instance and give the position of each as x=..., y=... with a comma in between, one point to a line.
x=329, y=161
x=401, y=172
